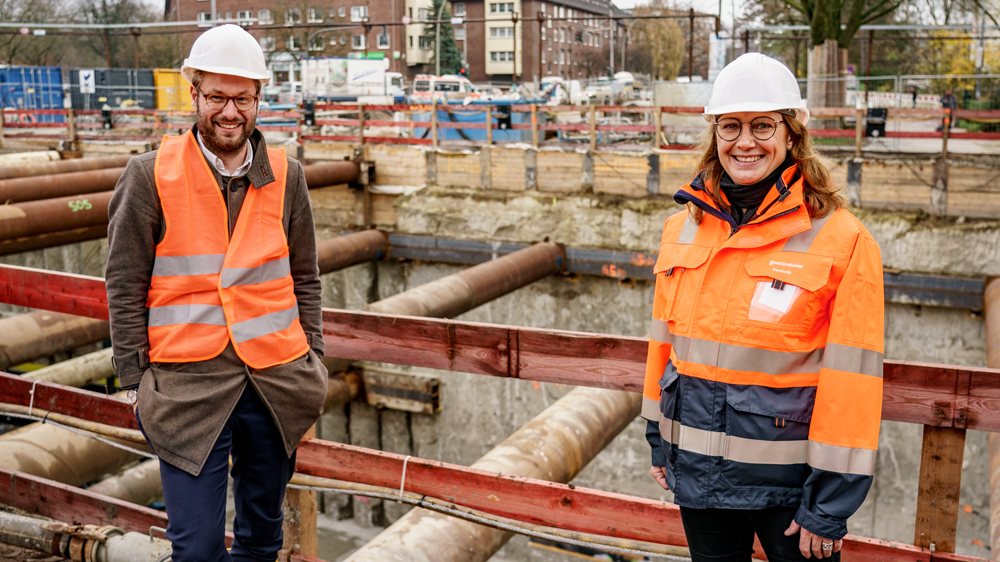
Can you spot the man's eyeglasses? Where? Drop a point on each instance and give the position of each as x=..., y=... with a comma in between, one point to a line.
x=762, y=128
x=217, y=102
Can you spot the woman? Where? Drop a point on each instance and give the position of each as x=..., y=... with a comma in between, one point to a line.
x=763, y=386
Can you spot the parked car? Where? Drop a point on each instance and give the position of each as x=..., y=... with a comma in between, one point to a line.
x=427, y=87
x=290, y=92
x=270, y=93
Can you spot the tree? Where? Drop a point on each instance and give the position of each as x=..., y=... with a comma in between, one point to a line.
x=30, y=49
x=451, y=58
x=115, y=48
x=662, y=39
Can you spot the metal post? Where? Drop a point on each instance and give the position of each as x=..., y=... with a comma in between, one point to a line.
x=690, y=43
x=593, y=128
x=611, y=23
x=939, y=191
x=991, y=312
x=657, y=126
x=434, y=124
x=541, y=24
x=859, y=132
x=534, y=126
x=437, y=40
x=489, y=125
x=361, y=124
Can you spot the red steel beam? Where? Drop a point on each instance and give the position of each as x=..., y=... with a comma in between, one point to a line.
x=938, y=395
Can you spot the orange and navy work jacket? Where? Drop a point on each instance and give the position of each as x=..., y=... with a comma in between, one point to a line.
x=764, y=375
x=207, y=290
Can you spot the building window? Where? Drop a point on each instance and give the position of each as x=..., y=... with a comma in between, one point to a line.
x=543, y=57
x=316, y=43
x=343, y=39
x=341, y=12
x=315, y=15
x=358, y=42
x=244, y=16
x=423, y=14
x=543, y=34
x=459, y=9
x=543, y=7
x=383, y=40
x=264, y=17
x=562, y=12
x=411, y=41
x=501, y=32
x=359, y=13
x=204, y=17
x=549, y=21
x=293, y=16
x=294, y=43
x=424, y=43
x=501, y=7
x=460, y=33
x=501, y=56
x=267, y=44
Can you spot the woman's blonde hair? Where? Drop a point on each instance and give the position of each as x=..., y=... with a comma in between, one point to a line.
x=821, y=195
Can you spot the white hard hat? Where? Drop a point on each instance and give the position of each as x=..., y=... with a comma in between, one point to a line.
x=756, y=82
x=226, y=49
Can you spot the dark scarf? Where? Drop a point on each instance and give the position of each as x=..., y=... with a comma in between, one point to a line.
x=750, y=197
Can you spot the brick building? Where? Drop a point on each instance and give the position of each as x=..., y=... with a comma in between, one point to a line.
x=570, y=42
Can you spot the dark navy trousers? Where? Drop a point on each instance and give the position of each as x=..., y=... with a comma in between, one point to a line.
x=196, y=505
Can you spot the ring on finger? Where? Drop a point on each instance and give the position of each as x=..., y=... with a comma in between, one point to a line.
x=826, y=545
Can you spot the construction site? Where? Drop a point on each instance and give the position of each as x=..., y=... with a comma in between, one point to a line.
x=487, y=282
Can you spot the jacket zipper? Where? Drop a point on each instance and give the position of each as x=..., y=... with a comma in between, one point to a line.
x=736, y=229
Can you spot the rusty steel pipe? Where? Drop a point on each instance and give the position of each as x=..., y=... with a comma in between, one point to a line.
x=78, y=371
x=52, y=215
x=331, y=173
x=341, y=389
x=351, y=249
x=52, y=239
x=991, y=312
x=39, y=188
x=452, y=295
x=64, y=166
x=554, y=446
x=28, y=336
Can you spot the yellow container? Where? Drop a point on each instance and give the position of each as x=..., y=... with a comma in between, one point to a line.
x=173, y=93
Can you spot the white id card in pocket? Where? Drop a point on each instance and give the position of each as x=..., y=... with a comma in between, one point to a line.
x=770, y=304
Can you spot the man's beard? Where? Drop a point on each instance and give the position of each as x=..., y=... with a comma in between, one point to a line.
x=217, y=143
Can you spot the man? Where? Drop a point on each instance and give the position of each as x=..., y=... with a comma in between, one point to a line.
x=948, y=101
x=214, y=296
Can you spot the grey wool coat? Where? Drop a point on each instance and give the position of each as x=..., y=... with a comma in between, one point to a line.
x=184, y=406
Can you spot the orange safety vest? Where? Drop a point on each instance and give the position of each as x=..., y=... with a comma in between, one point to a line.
x=764, y=374
x=207, y=290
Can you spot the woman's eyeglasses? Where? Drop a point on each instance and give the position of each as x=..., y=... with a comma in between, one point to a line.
x=762, y=128
x=217, y=102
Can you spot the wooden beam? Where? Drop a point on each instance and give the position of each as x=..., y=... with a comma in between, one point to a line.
x=66, y=400
x=59, y=292
x=301, y=517
x=939, y=488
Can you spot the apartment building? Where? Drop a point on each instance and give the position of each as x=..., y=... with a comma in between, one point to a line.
x=496, y=45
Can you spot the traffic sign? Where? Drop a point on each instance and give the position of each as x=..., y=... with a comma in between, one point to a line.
x=406, y=20
x=25, y=31
x=88, y=84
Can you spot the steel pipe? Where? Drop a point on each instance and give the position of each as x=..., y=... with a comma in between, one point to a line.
x=26, y=337
x=63, y=166
x=52, y=215
x=350, y=249
x=139, y=485
x=331, y=173
x=28, y=158
x=52, y=239
x=81, y=543
x=37, y=188
x=78, y=371
x=991, y=312
x=452, y=295
x=554, y=446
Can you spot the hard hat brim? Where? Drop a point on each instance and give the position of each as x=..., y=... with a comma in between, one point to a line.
x=188, y=73
x=801, y=113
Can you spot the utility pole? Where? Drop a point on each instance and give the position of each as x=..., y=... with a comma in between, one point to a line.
x=513, y=18
x=437, y=40
x=611, y=12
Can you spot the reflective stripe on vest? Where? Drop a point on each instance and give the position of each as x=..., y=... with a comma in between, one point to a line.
x=207, y=290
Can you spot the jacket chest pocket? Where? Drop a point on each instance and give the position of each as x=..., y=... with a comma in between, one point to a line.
x=680, y=271
x=780, y=298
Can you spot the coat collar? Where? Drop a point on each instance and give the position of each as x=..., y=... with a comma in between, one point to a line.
x=260, y=173
x=782, y=214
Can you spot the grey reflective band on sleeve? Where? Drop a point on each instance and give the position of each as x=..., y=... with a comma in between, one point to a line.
x=650, y=410
x=233, y=276
x=203, y=264
x=756, y=451
x=688, y=231
x=264, y=325
x=187, y=314
x=845, y=460
x=659, y=331
x=802, y=241
x=853, y=360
